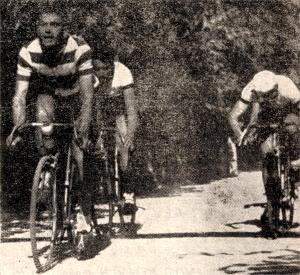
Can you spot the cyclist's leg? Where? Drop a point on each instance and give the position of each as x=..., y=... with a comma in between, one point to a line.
x=292, y=127
x=123, y=153
x=45, y=112
x=270, y=178
x=267, y=152
x=126, y=176
x=85, y=192
x=70, y=109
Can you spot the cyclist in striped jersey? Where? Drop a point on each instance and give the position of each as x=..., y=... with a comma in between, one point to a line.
x=60, y=67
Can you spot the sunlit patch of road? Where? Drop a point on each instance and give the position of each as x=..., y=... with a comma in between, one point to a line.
x=197, y=229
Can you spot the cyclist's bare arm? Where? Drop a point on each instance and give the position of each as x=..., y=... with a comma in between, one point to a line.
x=130, y=105
x=254, y=113
x=19, y=102
x=238, y=109
x=86, y=94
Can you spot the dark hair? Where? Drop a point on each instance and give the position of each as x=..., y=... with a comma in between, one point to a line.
x=100, y=45
x=105, y=54
x=54, y=7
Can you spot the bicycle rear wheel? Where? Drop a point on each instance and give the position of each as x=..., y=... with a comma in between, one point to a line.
x=43, y=214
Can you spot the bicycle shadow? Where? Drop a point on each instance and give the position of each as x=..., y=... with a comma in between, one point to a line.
x=262, y=233
x=210, y=234
x=117, y=229
x=94, y=246
x=256, y=222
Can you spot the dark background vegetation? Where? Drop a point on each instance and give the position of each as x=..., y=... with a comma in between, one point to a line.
x=182, y=53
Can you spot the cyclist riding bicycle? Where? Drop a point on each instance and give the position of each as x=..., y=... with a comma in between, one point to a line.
x=59, y=68
x=274, y=99
x=116, y=106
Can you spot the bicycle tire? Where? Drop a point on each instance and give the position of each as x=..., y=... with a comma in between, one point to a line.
x=70, y=214
x=111, y=202
x=272, y=207
x=43, y=215
x=287, y=205
x=287, y=209
x=114, y=198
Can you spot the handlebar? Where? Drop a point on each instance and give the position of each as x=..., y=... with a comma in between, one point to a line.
x=20, y=128
x=79, y=141
x=40, y=124
x=112, y=129
x=271, y=126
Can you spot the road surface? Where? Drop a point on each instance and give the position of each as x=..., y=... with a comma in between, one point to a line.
x=196, y=229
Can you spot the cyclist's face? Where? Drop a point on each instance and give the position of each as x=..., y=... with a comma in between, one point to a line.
x=49, y=29
x=104, y=70
x=270, y=96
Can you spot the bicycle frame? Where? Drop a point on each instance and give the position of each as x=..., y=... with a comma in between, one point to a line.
x=112, y=181
x=280, y=144
x=67, y=188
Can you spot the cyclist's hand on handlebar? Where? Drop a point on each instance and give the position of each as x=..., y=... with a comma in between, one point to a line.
x=12, y=141
x=251, y=137
x=83, y=143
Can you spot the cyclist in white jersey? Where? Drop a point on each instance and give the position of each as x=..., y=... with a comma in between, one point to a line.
x=117, y=106
x=274, y=99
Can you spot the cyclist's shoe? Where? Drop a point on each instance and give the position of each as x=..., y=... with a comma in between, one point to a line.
x=82, y=242
x=296, y=164
x=266, y=229
x=129, y=207
x=233, y=174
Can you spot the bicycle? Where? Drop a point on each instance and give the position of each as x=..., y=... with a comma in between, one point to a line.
x=48, y=219
x=110, y=183
x=280, y=186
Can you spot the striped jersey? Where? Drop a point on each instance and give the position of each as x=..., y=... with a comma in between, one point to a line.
x=73, y=60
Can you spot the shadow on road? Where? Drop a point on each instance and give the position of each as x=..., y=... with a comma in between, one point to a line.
x=254, y=222
x=181, y=235
x=208, y=235
x=282, y=264
x=9, y=229
x=13, y=223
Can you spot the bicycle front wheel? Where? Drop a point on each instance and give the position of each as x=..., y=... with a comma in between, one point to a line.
x=70, y=201
x=43, y=214
x=288, y=197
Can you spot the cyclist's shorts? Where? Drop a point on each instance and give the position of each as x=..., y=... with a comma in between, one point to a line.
x=48, y=86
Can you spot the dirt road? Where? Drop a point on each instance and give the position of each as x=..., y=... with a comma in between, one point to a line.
x=197, y=229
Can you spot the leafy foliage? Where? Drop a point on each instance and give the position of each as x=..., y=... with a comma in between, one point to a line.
x=182, y=52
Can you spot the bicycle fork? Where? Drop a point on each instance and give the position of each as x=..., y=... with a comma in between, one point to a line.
x=117, y=185
x=67, y=187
